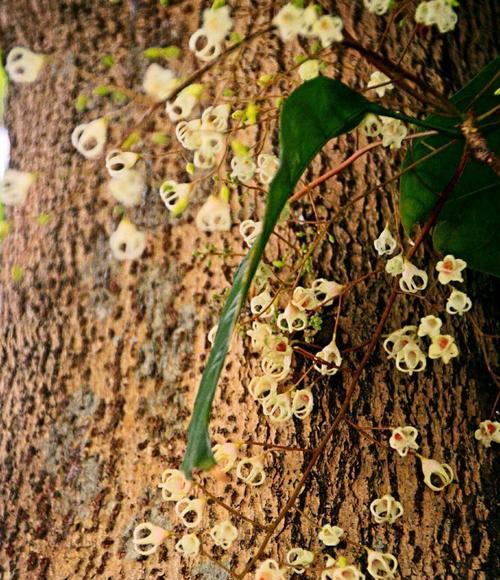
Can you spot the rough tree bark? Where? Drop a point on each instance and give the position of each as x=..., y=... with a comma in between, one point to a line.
x=99, y=360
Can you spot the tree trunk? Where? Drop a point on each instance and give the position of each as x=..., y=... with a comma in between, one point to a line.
x=100, y=360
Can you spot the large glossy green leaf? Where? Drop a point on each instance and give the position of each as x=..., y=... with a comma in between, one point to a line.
x=312, y=115
x=469, y=223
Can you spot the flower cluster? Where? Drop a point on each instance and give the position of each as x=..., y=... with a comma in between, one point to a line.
x=293, y=21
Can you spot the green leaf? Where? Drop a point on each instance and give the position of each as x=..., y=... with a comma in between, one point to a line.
x=469, y=222
x=312, y=115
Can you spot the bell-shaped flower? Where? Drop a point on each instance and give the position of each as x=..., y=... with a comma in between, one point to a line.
x=329, y=29
x=393, y=132
x=159, y=82
x=225, y=455
x=262, y=305
x=412, y=279
x=288, y=21
x=223, y=534
x=188, y=134
x=309, y=69
x=23, y=65
x=251, y=471
x=395, y=265
x=269, y=570
x=458, y=303
x=330, y=354
x=14, y=186
x=331, y=535
x=443, y=346
x=190, y=511
x=214, y=215
x=184, y=103
x=277, y=408
x=488, y=433
x=277, y=347
x=450, y=269
x=292, y=319
x=188, y=545
x=128, y=188
x=326, y=290
x=342, y=571
x=118, y=162
x=398, y=339
x=263, y=387
x=278, y=368
x=385, y=243
x=212, y=142
x=217, y=23
x=267, y=166
x=304, y=298
x=174, y=486
x=371, y=125
x=378, y=7
x=147, y=543
x=127, y=242
x=429, y=326
x=299, y=559
x=380, y=83
x=381, y=565
x=89, y=139
x=438, y=12
x=250, y=230
x=175, y=195
x=204, y=47
x=436, y=475
x=308, y=19
x=302, y=403
x=403, y=439
x=215, y=118
x=243, y=168
x=410, y=359
x=259, y=334
x=386, y=509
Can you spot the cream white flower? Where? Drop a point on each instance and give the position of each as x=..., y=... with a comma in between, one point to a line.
x=450, y=269
x=299, y=559
x=330, y=354
x=329, y=29
x=214, y=215
x=289, y=22
x=263, y=387
x=15, y=185
x=292, y=319
x=217, y=23
x=250, y=230
x=395, y=265
x=159, y=82
x=488, y=433
x=251, y=471
x=184, y=103
x=429, y=326
x=410, y=276
x=398, y=339
x=243, y=168
x=278, y=368
x=378, y=7
x=326, y=290
x=393, y=132
x=458, y=303
x=277, y=408
x=371, y=125
x=403, y=439
x=269, y=570
x=379, y=78
x=267, y=165
x=118, y=162
x=308, y=19
x=190, y=511
x=385, y=243
x=153, y=538
x=127, y=242
x=225, y=455
x=224, y=534
x=342, y=572
x=262, y=305
x=386, y=509
x=128, y=188
x=381, y=565
x=175, y=195
x=331, y=535
x=188, y=134
x=304, y=298
x=309, y=69
x=302, y=403
x=215, y=118
x=438, y=12
x=203, y=47
x=443, y=346
x=410, y=359
x=23, y=65
x=259, y=333
x=188, y=545
x=174, y=486
x=436, y=475
x=89, y=139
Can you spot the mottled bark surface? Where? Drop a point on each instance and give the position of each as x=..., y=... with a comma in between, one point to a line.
x=99, y=360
